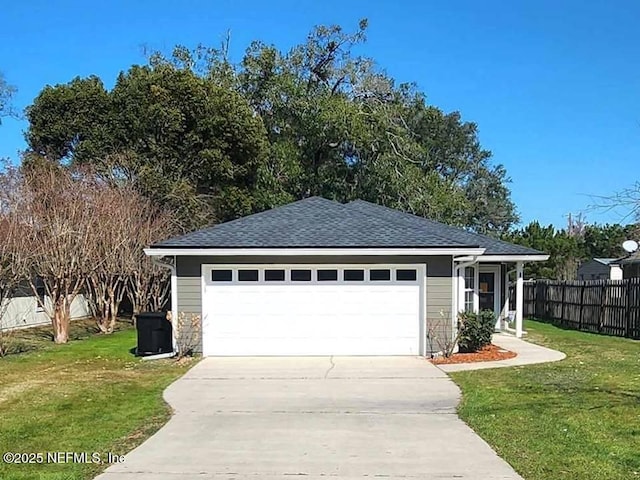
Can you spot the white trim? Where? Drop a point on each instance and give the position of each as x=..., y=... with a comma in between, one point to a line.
x=174, y=295
x=497, y=289
x=513, y=258
x=174, y=300
x=519, y=297
x=455, y=287
x=476, y=288
x=161, y=252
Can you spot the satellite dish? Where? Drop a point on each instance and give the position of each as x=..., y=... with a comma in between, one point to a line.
x=630, y=246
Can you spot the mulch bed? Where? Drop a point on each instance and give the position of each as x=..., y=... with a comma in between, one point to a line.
x=487, y=354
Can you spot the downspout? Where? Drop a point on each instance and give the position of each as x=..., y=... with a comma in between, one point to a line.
x=174, y=292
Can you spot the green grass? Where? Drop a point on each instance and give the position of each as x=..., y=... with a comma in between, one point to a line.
x=25, y=340
x=578, y=419
x=91, y=395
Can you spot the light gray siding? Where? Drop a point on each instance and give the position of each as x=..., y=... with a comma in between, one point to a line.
x=438, y=284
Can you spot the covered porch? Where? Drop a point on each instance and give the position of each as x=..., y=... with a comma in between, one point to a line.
x=483, y=283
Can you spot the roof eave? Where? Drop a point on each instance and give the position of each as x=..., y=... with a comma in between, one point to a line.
x=311, y=251
x=529, y=257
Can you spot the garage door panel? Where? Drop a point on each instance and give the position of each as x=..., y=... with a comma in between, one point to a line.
x=315, y=318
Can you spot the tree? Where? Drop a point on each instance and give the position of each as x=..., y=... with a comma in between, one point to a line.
x=10, y=274
x=127, y=223
x=6, y=94
x=569, y=247
x=563, y=249
x=148, y=286
x=54, y=242
x=187, y=142
x=213, y=140
x=342, y=128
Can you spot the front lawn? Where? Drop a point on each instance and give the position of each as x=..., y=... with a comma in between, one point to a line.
x=90, y=395
x=577, y=419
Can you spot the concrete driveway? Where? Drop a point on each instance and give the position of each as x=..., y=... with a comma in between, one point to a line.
x=318, y=417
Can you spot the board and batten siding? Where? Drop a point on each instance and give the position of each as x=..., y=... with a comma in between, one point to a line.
x=438, y=285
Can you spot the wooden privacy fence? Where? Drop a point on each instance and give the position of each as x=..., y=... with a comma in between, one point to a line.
x=611, y=307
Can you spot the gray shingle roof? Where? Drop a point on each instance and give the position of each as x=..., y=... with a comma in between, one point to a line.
x=317, y=222
x=492, y=245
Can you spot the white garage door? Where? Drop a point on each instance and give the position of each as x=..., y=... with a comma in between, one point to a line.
x=312, y=310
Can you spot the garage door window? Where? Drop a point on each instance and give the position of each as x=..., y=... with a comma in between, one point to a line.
x=248, y=275
x=300, y=275
x=221, y=275
x=380, y=275
x=274, y=275
x=354, y=275
x=406, y=275
x=327, y=275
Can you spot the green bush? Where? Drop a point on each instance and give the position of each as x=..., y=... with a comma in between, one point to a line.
x=475, y=330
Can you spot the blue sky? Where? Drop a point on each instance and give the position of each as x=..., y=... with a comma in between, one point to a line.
x=553, y=85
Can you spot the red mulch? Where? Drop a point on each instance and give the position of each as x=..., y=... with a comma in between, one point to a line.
x=487, y=354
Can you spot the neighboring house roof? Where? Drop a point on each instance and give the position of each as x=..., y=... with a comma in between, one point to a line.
x=603, y=261
x=317, y=222
x=629, y=259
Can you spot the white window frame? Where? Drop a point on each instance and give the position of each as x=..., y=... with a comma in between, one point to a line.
x=475, y=298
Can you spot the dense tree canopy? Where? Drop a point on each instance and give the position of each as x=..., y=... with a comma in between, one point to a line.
x=567, y=248
x=215, y=140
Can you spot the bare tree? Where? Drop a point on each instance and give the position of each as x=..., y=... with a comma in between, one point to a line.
x=9, y=274
x=625, y=203
x=116, y=226
x=54, y=242
x=148, y=286
x=128, y=223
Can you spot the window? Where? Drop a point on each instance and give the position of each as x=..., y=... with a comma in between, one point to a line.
x=274, y=275
x=379, y=275
x=220, y=275
x=248, y=275
x=300, y=275
x=327, y=275
x=353, y=275
x=406, y=275
x=41, y=291
x=469, y=288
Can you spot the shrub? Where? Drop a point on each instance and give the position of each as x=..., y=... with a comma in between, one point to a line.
x=187, y=334
x=475, y=330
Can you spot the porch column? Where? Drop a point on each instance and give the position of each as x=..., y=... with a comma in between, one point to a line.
x=504, y=314
x=519, y=298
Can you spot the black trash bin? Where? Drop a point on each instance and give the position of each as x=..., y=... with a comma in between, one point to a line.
x=154, y=333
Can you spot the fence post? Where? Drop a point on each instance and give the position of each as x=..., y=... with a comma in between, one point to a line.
x=564, y=292
x=581, y=306
x=603, y=296
x=627, y=316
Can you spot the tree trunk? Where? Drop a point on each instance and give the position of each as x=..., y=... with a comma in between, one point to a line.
x=60, y=322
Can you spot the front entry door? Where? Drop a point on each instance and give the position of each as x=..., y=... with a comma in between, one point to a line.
x=487, y=290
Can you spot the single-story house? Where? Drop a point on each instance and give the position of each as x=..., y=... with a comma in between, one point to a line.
x=317, y=277
x=600, y=269
x=630, y=265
